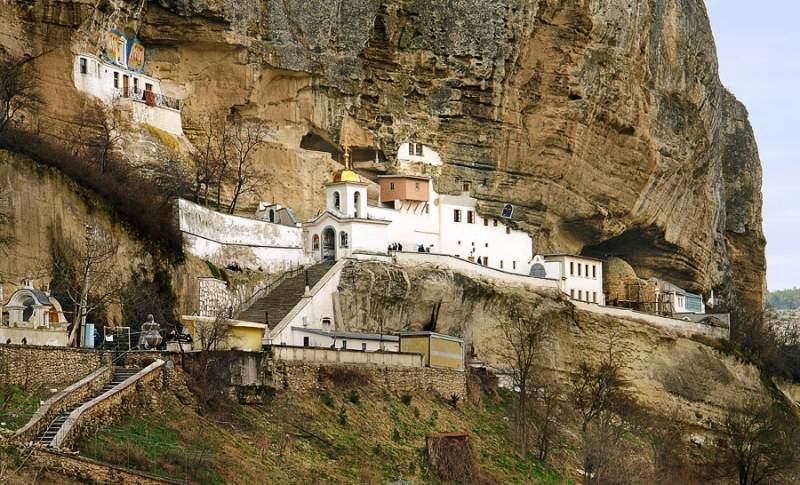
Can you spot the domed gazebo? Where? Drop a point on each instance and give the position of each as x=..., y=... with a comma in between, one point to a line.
x=31, y=307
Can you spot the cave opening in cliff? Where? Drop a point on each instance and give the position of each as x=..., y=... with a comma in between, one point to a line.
x=318, y=142
x=651, y=255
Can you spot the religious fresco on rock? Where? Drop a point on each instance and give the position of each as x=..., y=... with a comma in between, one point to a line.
x=123, y=51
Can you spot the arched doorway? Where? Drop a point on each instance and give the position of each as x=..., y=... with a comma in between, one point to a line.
x=329, y=244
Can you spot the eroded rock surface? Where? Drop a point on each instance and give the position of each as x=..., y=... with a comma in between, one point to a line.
x=603, y=122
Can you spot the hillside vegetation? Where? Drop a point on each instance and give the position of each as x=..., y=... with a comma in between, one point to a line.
x=357, y=435
x=788, y=299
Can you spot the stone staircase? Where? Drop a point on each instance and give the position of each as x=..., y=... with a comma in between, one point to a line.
x=280, y=301
x=46, y=437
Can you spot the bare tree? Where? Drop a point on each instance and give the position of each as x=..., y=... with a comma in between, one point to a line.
x=213, y=334
x=760, y=443
x=523, y=333
x=95, y=135
x=601, y=399
x=17, y=94
x=546, y=414
x=90, y=279
x=246, y=137
x=210, y=158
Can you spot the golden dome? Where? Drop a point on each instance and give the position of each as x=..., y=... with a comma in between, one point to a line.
x=346, y=175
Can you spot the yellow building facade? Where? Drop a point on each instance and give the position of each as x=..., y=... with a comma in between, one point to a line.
x=438, y=350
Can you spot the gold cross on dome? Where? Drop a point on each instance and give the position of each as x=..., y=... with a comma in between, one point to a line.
x=346, y=156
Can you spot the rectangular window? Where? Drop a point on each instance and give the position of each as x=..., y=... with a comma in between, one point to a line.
x=136, y=84
x=116, y=80
x=508, y=230
x=419, y=149
x=84, y=68
x=391, y=186
x=572, y=293
x=363, y=347
x=485, y=221
x=580, y=294
x=494, y=222
x=148, y=87
x=513, y=265
x=470, y=217
x=594, y=297
x=416, y=185
x=466, y=187
x=486, y=261
x=410, y=148
x=579, y=269
x=501, y=264
x=456, y=215
x=594, y=271
x=305, y=342
x=344, y=344
x=571, y=268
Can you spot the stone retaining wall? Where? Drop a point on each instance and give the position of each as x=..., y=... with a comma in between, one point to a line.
x=309, y=377
x=86, y=470
x=27, y=365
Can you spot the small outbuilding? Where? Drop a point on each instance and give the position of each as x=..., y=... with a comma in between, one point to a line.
x=438, y=350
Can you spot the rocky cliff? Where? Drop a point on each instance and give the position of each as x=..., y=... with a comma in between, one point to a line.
x=668, y=374
x=603, y=122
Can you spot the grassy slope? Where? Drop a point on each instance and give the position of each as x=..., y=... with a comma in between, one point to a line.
x=17, y=405
x=320, y=438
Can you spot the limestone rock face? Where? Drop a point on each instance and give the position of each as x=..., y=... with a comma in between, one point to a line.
x=603, y=122
x=666, y=372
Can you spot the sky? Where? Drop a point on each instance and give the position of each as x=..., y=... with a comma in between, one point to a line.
x=758, y=45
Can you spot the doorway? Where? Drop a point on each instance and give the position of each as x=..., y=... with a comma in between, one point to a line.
x=329, y=244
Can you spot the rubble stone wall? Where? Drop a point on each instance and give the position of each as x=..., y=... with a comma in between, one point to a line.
x=308, y=377
x=29, y=365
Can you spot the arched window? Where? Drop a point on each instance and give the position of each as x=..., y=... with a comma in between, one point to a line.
x=271, y=215
x=343, y=243
x=356, y=200
x=337, y=201
x=315, y=242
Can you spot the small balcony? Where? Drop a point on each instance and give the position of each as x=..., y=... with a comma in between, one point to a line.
x=149, y=98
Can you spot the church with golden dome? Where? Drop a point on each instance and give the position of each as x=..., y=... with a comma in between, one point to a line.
x=411, y=216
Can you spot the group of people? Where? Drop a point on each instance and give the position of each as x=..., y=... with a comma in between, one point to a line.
x=421, y=248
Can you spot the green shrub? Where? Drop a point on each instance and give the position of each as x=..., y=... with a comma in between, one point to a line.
x=406, y=399
x=353, y=397
x=342, y=416
x=326, y=399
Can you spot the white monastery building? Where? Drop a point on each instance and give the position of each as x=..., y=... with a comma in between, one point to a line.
x=117, y=75
x=414, y=217
x=580, y=277
x=410, y=153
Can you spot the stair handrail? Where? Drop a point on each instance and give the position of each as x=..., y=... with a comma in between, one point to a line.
x=42, y=412
x=76, y=414
x=291, y=273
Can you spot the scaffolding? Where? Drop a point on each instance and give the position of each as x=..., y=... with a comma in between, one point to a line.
x=644, y=297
